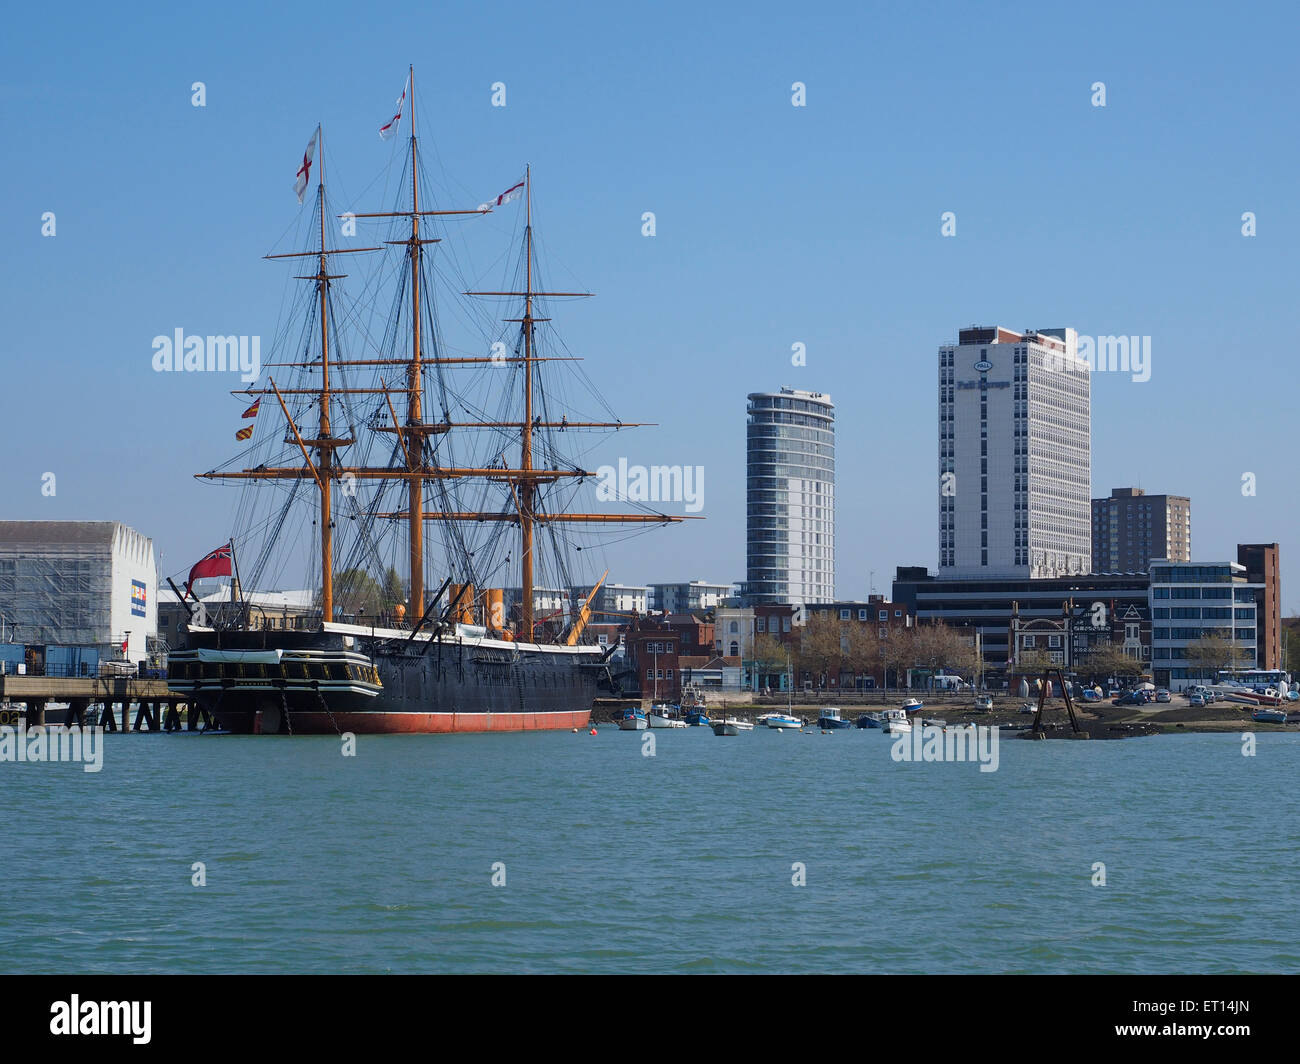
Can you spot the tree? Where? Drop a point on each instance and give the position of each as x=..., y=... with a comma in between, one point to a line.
x=893, y=650
x=1108, y=660
x=356, y=592
x=820, y=649
x=937, y=648
x=394, y=591
x=769, y=656
x=1211, y=653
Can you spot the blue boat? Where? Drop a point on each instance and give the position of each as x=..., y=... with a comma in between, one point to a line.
x=870, y=720
x=830, y=719
x=697, y=718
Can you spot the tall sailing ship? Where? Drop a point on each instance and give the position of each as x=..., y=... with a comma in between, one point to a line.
x=408, y=454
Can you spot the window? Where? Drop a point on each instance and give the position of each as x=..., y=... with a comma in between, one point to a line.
x=735, y=649
x=1029, y=641
x=898, y=613
x=1054, y=642
x=845, y=614
x=760, y=624
x=884, y=615
x=862, y=615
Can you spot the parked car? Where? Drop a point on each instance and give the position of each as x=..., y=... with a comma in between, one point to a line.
x=1162, y=695
x=1132, y=698
x=1196, y=699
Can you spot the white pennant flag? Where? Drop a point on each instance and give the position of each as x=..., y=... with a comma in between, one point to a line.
x=512, y=193
x=304, y=171
x=391, y=128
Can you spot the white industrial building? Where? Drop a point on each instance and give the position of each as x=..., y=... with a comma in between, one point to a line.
x=1015, y=455
x=78, y=583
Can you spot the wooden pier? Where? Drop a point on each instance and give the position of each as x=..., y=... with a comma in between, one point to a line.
x=103, y=701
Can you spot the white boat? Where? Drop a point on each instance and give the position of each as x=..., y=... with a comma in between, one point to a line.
x=762, y=719
x=913, y=705
x=632, y=720
x=782, y=720
x=665, y=717
x=895, y=722
x=731, y=726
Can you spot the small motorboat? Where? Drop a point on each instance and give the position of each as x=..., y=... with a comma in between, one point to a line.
x=830, y=719
x=762, y=719
x=869, y=720
x=895, y=722
x=632, y=720
x=731, y=726
x=666, y=716
x=1269, y=715
x=696, y=718
x=913, y=705
x=782, y=720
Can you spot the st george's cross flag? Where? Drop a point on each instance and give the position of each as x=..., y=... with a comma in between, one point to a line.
x=512, y=193
x=304, y=171
x=390, y=129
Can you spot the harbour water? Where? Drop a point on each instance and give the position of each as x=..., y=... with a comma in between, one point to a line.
x=680, y=862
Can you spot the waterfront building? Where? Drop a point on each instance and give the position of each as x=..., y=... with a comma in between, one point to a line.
x=718, y=674
x=550, y=606
x=1192, y=600
x=790, y=497
x=985, y=607
x=1131, y=527
x=1015, y=459
x=690, y=596
x=78, y=582
x=733, y=628
x=1263, y=568
x=1078, y=632
x=613, y=599
x=654, y=644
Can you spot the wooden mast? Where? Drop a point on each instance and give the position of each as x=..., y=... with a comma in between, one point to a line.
x=524, y=483
x=326, y=457
x=414, y=412
x=526, y=438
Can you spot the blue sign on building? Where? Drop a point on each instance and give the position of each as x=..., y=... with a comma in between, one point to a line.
x=137, y=599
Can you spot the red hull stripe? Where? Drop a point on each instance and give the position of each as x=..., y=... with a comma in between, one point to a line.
x=428, y=723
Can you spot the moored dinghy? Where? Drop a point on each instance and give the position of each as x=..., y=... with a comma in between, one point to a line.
x=731, y=726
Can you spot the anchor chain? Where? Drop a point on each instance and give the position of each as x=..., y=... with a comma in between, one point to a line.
x=329, y=712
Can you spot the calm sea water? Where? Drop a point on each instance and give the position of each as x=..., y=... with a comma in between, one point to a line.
x=681, y=862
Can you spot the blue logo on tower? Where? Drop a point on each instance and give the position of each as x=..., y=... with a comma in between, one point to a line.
x=983, y=365
x=137, y=599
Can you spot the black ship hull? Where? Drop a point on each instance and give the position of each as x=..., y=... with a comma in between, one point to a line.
x=368, y=681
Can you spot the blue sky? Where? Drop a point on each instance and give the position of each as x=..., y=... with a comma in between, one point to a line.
x=775, y=225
